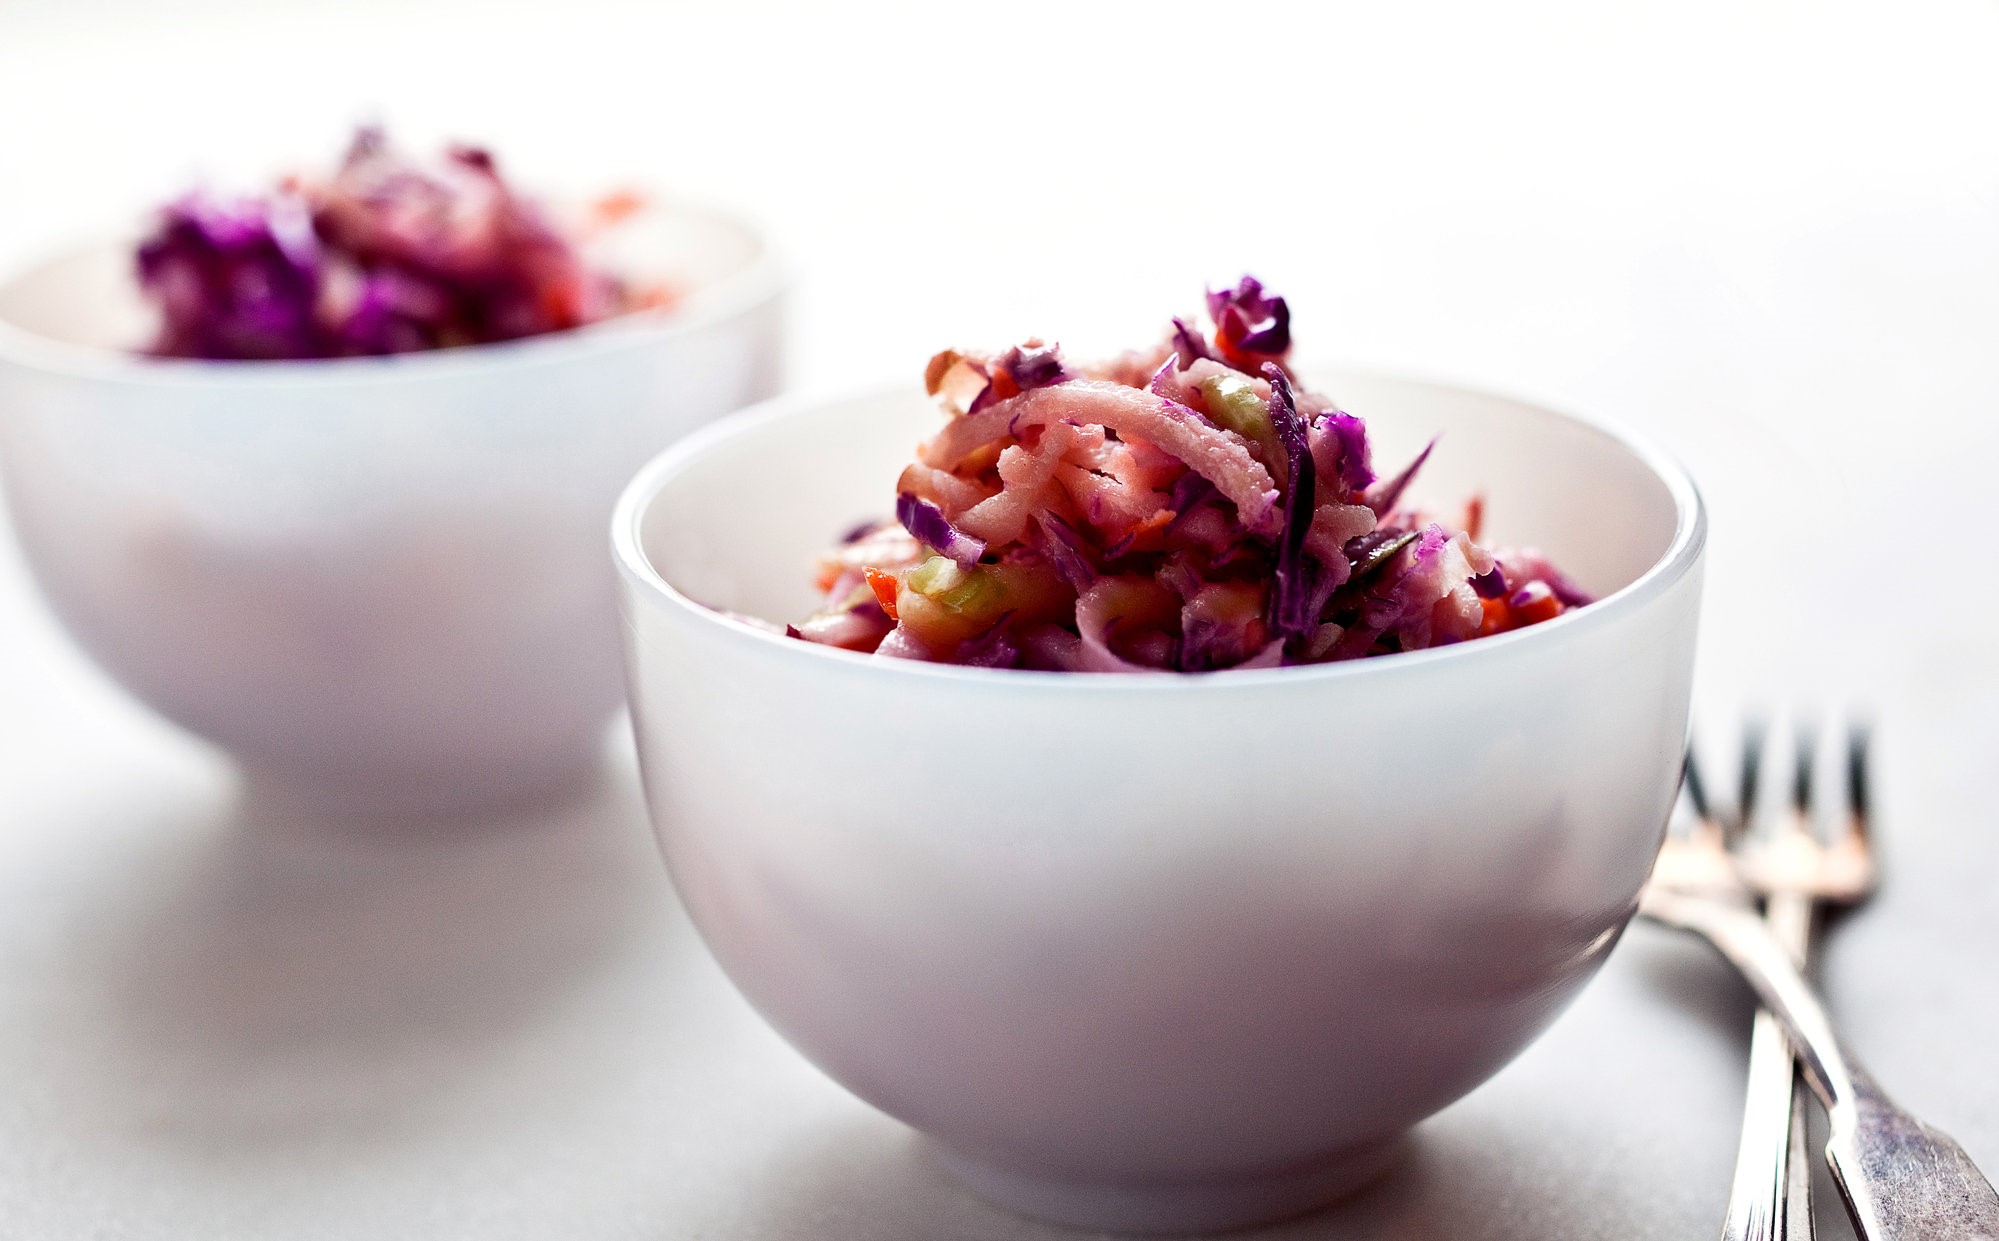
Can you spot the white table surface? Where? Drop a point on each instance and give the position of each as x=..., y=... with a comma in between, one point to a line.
x=1767, y=234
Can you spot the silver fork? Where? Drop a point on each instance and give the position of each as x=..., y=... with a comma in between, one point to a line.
x=1794, y=873
x=1771, y=1194
x=1901, y=1179
x=1764, y=1203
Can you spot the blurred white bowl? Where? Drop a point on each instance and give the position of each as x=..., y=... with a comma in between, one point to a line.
x=378, y=579
x=1159, y=953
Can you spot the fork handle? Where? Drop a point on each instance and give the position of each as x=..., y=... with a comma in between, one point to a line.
x=1769, y=1198
x=1902, y=1179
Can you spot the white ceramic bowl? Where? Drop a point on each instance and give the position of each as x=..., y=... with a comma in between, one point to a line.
x=1159, y=953
x=378, y=579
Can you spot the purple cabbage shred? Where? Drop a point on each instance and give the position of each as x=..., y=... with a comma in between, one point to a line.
x=927, y=524
x=1291, y=613
x=1064, y=548
x=1250, y=320
x=1188, y=490
x=1035, y=367
x=1384, y=498
x=1191, y=348
x=991, y=649
x=1030, y=366
x=236, y=279
x=1356, y=459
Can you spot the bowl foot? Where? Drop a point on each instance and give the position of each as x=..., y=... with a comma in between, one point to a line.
x=1178, y=1206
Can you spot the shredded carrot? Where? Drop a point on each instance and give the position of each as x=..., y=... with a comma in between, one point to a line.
x=1534, y=603
x=885, y=585
x=619, y=206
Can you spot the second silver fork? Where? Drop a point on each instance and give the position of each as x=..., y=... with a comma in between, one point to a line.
x=1770, y=1199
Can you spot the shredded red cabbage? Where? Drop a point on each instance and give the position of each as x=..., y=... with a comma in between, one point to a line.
x=1188, y=490
x=927, y=524
x=1035, y=368
x=1065, y=550
x=1186, y=508
x=383, y=257
x=1018, y=370
x=1250, y=321
x=236, y=279
x=1384, y=498
x=1356, y=458
x=1189, y=346
x=992, y=649
x=1289, y=614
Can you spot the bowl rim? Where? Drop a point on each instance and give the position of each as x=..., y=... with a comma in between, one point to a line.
x=762, y=281
x=1682, y=553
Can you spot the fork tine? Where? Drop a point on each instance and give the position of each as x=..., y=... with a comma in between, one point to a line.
x=1806, y=744
x=1696, y=791
x=1859, y=739
x=1751, y=776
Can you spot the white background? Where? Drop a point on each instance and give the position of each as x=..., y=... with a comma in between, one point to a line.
x=1767, y=234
